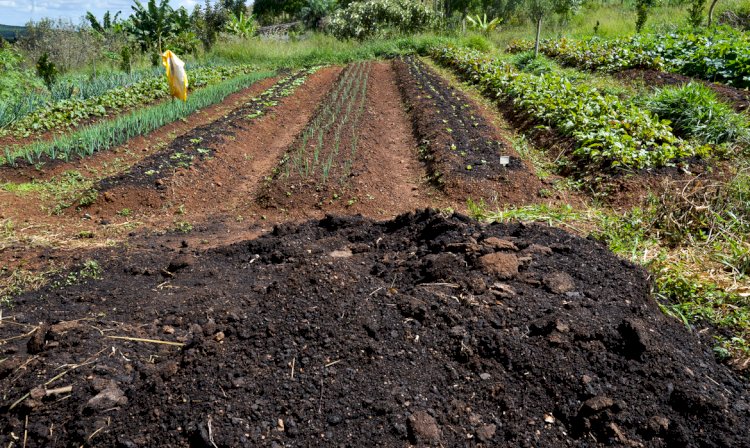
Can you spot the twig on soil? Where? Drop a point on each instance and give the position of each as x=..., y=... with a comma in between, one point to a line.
x=333, y=363
x=449, y=285
x=152, y=341
x=211, y=433
x=59, y=391
x=293, y=361
x=97, y=431
x=3, y=341
x=25, y=431
x=320, y=400
x=58, y=376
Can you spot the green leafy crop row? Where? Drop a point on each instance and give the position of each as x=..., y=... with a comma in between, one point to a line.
x=721, y=55
x=609, y=134
x=110, y=133
x=70, y=112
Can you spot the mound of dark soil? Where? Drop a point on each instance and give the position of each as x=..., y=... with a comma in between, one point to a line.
x=427, y=329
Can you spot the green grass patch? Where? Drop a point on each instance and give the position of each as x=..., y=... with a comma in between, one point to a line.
x=321, y=49
x=696, y=112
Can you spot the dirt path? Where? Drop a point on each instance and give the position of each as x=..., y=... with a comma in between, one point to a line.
x=390, y=173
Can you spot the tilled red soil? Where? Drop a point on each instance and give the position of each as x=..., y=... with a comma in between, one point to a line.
x=427, y=329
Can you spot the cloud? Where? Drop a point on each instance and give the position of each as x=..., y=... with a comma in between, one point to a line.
x=19, y=12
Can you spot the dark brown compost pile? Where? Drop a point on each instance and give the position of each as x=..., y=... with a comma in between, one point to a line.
x=428, y=330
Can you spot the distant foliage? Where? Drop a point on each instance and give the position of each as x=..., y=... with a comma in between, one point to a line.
x=242, y=26
x=720, y=55
x=362, y=20
x=315, y=11
x=67, y=45
x=15, y=81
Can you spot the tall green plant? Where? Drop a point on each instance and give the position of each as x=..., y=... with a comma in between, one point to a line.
x=153, y=24
x=46, y=70
x=641, y=9
x=695, y=12
x=481, y=24
x=242, y=26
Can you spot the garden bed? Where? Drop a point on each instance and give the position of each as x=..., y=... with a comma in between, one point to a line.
x=318, y=166
x=461, y=149
x=739, y=99
x=200, y=143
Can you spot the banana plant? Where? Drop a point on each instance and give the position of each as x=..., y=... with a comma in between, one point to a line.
x=481, y=23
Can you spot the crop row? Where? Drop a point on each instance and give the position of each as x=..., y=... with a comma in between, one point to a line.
x=335, y=123
x=101, y=136
x=722, y=56
x=608, y=133
x=200, y=142
x=71, y=112
x=455, y=142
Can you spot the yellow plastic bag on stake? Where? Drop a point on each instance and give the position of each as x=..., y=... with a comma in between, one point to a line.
x=176, y=76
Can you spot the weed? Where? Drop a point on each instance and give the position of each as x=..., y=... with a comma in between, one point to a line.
x=695, y=111
x=183, y=226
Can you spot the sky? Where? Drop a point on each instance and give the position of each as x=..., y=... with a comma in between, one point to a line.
x=18, y=12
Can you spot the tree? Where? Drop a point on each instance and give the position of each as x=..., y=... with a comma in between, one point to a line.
x=315, y=11
x=208, y=22
x=153, y=24
x=539, y=9
x=695, y=12
x=108, y=22
x=267, y=10
x=235, y=7
x=711, y=12
x=641, y=9
x=46, y=70
x=242, y=26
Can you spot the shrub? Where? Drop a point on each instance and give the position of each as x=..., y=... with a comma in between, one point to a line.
x=370, y=18
x=46, y=70
x=695, y=112
x=15, y=82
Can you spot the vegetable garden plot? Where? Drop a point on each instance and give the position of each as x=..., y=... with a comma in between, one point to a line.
x=463, y=152
x=721, y=55
x=609, y=135
x=70, y=113
x=423, y=330
x=107, y=134
x=197, y=145
x=319, y=163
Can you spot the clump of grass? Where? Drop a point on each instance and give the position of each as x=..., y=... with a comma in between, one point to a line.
x=14, y=282
x=526, y=62
x=696, y=112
